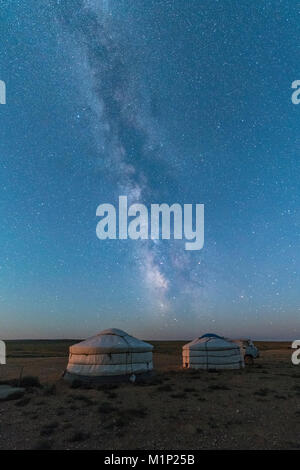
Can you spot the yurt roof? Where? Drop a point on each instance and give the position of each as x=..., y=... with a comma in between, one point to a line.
x=210, y=342
x=108, y=341
x=211, y=335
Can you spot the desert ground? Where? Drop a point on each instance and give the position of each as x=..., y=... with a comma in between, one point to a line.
x=256, y=408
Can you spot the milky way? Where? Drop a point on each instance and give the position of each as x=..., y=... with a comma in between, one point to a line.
x=129, y=148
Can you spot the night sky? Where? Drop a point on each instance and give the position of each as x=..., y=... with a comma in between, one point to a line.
x=162, y=101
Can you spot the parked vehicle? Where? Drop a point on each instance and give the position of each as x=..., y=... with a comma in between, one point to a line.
x=249, y=350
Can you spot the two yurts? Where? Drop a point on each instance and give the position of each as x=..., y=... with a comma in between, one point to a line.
x=210, y=352
x=111, y=355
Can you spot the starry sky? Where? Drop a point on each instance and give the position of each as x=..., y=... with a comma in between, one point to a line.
x=162, y=101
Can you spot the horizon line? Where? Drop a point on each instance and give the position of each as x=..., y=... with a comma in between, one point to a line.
x=178, y=339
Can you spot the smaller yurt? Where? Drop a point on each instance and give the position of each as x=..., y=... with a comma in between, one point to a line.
x=110, y=356
x=211, y=352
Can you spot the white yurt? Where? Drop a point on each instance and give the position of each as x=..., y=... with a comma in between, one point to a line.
x=111, y=355
x=210, y=352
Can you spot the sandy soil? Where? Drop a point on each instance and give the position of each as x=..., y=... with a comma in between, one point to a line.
x=257, y=408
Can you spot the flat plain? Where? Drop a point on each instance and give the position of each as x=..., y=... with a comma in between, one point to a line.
x=255, y=408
